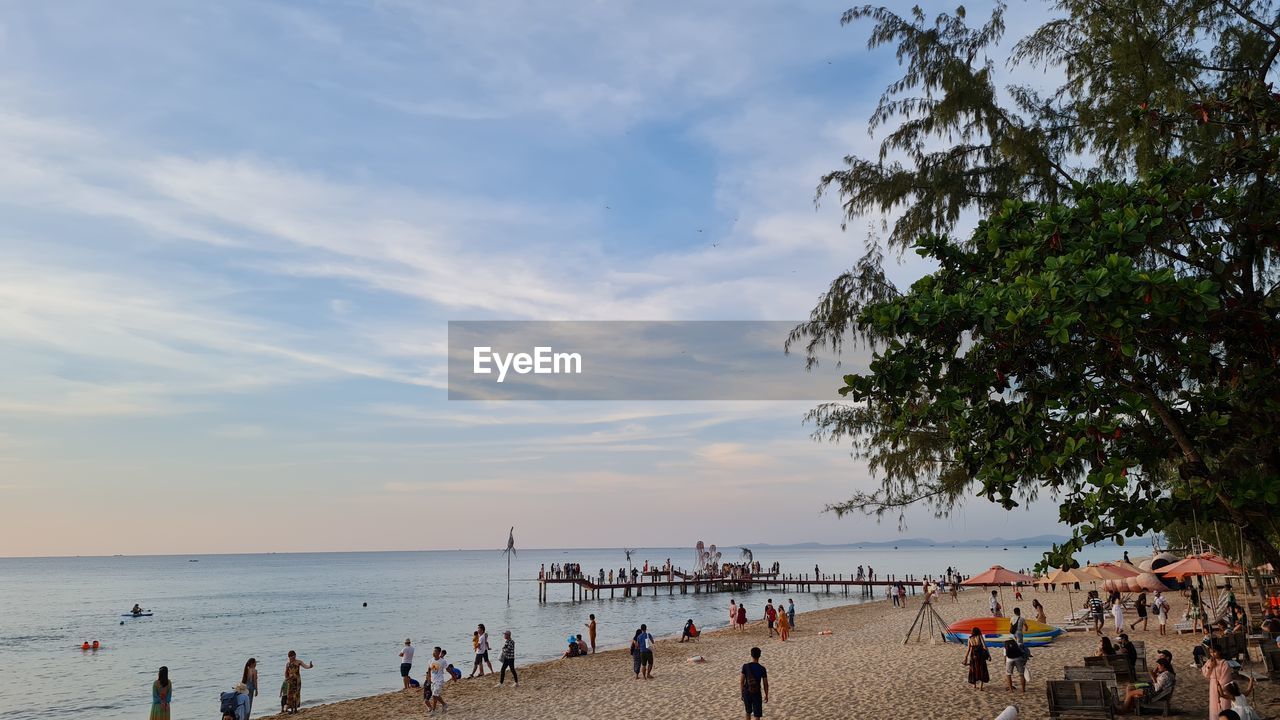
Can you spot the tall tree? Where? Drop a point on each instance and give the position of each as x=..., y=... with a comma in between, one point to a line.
x=1110, y=331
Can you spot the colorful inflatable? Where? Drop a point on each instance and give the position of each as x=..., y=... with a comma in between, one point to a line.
x=995, y=630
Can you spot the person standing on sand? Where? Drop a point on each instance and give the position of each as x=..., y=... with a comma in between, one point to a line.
x=1040, y=614
x=435, y=681
x=733, y=613
x=293, y=681
x=784, y=627
x=754, y=684
x=482, y=650
x=975, y=658
x=591, y=632
x=161, y=695
x=508, y=658
x=791, y=613
x=995, y=605
x=250, y=680
x=741, y=621
x=770, y=615
x=645, y=643
x=406, y=662
x=635, y=652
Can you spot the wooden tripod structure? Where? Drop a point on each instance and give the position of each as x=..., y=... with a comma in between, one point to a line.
x=927, y=616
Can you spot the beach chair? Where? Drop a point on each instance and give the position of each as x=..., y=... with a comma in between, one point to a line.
x=1085, y=699
x=1271, y=660
x=1117, y=663
x=1162, y=703
x=1140, y=667
x=1105, y=674
x=1183, y=627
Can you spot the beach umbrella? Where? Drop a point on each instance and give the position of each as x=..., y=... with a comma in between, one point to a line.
x=1124, y=570
x=999, y=576
x=1067, y=577
x=1198, y=565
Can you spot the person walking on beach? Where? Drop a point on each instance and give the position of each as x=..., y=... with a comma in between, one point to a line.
x=994, y=604
x=733, y=613
x=591, y=631
x=784, y=627
x=406, y=662
x=161, y=695
x=1140, y=607
x=1015, y=663
x=770, y=615
x=1117, y=612
x=975, y=657
x=293, y=681
x=435, y=681
x=250, y=680
x=754, y=684
x=1094, y=604
x=741, y=621
x=791, y=613
x=1018, y=626
x=644, y=641
x=508, y=658
x=1160, y=606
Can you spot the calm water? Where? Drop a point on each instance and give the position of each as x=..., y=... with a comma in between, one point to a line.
x=211, y=615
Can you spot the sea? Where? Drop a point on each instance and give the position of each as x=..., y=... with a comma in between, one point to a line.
x=350, y=613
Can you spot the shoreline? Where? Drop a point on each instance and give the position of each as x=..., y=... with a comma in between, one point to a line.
x=862, y=667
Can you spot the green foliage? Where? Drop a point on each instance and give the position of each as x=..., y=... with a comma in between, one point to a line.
x=1109, y=333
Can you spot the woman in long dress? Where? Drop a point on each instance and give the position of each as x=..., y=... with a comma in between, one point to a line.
x=250, y=680
x=293, y=681
x=161, y=695
x=784, y=626
x=975, y=657
x=1218, y=673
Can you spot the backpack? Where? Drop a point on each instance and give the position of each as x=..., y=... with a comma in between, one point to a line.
x=229, y=701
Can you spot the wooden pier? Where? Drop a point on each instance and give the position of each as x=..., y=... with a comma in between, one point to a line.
x=584, y=588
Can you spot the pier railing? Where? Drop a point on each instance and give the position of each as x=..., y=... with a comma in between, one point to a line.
x=589, y=588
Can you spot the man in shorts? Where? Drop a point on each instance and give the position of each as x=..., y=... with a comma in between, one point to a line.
x=645, y=641
x=482, y=650
x=770, y=616
x=754, y=684
x=1015, y=663
x=433, y=684
x=406, y=662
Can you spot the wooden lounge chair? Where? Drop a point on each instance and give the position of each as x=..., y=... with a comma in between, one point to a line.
x=1117, y=663
x=1140, y=667
x=1162, y=703
x=1085, y=699
x=1105, y=674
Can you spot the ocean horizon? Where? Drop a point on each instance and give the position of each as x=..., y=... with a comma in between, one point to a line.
x=350, y=613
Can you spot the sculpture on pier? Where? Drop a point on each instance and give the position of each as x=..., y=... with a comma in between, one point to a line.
x=706, y=557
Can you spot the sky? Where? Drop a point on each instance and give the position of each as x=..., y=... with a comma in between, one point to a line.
x=235, y=233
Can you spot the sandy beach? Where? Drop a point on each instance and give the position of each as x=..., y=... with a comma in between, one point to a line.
x=862, y=669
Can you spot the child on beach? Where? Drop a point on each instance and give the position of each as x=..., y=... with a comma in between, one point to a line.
x=433, y=694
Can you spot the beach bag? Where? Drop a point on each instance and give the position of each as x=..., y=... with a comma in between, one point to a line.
x=228, y=703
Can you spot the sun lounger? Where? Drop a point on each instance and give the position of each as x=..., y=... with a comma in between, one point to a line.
x=1088, y=699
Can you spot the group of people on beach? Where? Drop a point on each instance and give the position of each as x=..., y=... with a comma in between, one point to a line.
x=237, y=703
